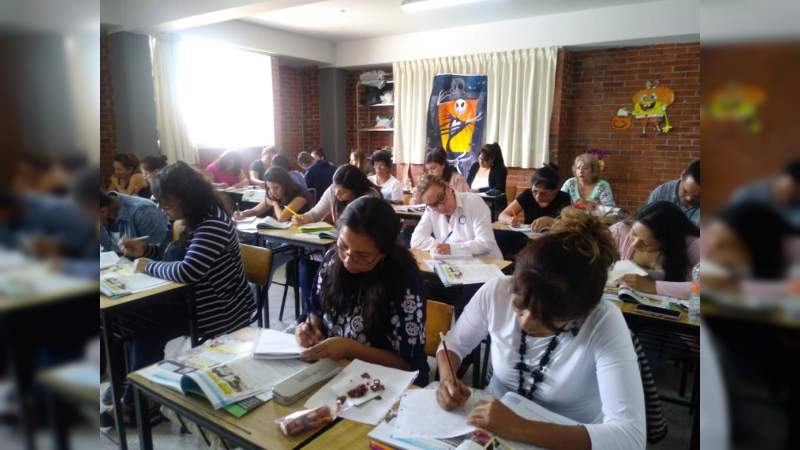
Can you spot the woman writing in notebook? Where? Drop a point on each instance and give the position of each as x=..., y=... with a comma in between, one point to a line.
x=284, y=197
x=538, y=205
x=665, y=243
x=367, y=299
x=227, y=170
x=454, y=223
x=554, y=342
x=349, y=183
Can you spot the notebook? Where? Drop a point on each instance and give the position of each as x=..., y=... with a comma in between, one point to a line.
x=273, y=344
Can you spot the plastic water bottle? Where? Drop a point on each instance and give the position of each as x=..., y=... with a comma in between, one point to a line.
x=694, y=298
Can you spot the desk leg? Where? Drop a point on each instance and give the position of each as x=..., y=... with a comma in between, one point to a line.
x=56, y=415
x=143, y=420
x=190, y=311
x=116, y=374
x=20, y=364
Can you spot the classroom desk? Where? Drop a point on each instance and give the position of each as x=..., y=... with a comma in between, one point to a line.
x=405, y=214
x=500, y=226
x=295, y=238
x=255, y=430
x=422, y=256
x=62, y=395
x=67, y=317
x=343, y=435
x=113, y=333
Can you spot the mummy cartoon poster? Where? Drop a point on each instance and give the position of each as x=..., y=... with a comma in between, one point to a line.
x=456, y=116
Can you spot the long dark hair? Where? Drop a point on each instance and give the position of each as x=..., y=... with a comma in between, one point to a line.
x=440, y=157
x=561, y=275
x=375, y=291
x=351, y=177
x=181, y=184
x=670, y=227
x=280, y=176
x=495, y=154
x=763, y=230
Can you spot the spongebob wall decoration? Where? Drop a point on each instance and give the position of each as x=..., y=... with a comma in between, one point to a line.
x=649, y=105
x=456, y=116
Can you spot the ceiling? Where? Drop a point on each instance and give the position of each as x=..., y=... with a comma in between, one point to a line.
x=344, y=20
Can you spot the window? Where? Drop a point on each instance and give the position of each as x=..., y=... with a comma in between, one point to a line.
x=225, y=95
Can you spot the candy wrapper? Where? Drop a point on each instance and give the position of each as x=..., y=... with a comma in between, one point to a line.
x=306, y=420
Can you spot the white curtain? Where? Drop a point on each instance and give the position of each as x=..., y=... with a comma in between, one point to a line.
x=172, y=132
x=520, y=93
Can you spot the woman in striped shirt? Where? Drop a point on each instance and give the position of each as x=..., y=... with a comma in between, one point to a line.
x=212, y=264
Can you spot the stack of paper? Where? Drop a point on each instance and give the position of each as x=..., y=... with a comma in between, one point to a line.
x=420, y=416
x=108, y=259
x=273, y=344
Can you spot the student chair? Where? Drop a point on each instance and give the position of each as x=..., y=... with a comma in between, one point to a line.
x=257, y=264
x=439, y=318
x=511, y=192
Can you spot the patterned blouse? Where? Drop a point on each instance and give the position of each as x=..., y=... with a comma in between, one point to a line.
x=601, y=194
x=406, y=335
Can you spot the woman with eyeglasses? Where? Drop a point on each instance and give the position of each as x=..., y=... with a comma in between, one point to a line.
x=555, y=342
x=454, y=223
x=665, y=243
x=538, y=205
x=436, y=164
x=367, y=300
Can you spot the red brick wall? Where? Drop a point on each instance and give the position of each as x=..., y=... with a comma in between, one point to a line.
x=602, y=81
x=108, y=126
x=298, y=110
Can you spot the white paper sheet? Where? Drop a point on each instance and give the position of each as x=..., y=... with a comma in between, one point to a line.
x=420, y=416
x=624, y=267
x=108, y=259
x=273, y=344
x=396, y=382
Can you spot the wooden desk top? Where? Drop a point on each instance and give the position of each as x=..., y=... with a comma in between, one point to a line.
x=422, y=255
x=54, y=380
x=407, y=214
x=9, y=304
x=343, y=435
x=258, y=426
x=106, y=302
x=630, y=309
x=500, y=226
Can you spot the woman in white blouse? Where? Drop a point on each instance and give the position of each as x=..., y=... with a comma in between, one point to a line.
x=555, y=342
x=454, y=223
x=391, y=188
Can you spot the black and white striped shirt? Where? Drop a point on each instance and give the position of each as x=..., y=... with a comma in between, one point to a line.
x=213, y=265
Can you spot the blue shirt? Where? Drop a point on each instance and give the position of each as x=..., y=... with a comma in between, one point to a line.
x=668, y=192
x=136, y=217
x=54, y=218
x=320, y=176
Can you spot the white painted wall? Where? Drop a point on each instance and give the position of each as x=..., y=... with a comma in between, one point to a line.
x=668, y=19
x=276, y=42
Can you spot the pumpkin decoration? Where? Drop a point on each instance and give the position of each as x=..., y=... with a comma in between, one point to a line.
x=651, y=104
x=738, y=103
x=622, y=121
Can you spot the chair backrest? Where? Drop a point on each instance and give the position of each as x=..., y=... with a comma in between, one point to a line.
x=312, y=196
x=511, y=192
x=257, y=263
x=439, y=316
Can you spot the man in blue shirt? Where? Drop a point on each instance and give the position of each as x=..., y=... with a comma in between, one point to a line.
x=320, y=175
x=124, y=215
x=684, y=192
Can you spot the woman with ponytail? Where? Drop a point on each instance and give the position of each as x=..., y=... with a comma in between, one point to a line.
x=554, y=342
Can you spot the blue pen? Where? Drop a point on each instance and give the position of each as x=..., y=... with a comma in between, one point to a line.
x=447, y=237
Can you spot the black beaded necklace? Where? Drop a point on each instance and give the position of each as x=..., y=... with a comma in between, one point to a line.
x=537, y=374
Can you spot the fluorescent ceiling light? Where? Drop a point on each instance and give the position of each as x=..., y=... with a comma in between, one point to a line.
x=412, y=6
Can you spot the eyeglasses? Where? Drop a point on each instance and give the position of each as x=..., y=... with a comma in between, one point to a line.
x=360, y=258
x=544, y=193
x=684, y=194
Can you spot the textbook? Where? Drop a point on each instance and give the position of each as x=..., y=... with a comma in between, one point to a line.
x=315, y=227
x=459, y=272
x=125, y=282
x=223, y=372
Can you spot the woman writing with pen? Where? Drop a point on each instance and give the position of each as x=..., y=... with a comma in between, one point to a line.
x=367, y=299
x=454, y=223
x=284, y=197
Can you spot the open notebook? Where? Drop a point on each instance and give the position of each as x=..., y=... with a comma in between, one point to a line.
x=273, y=344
